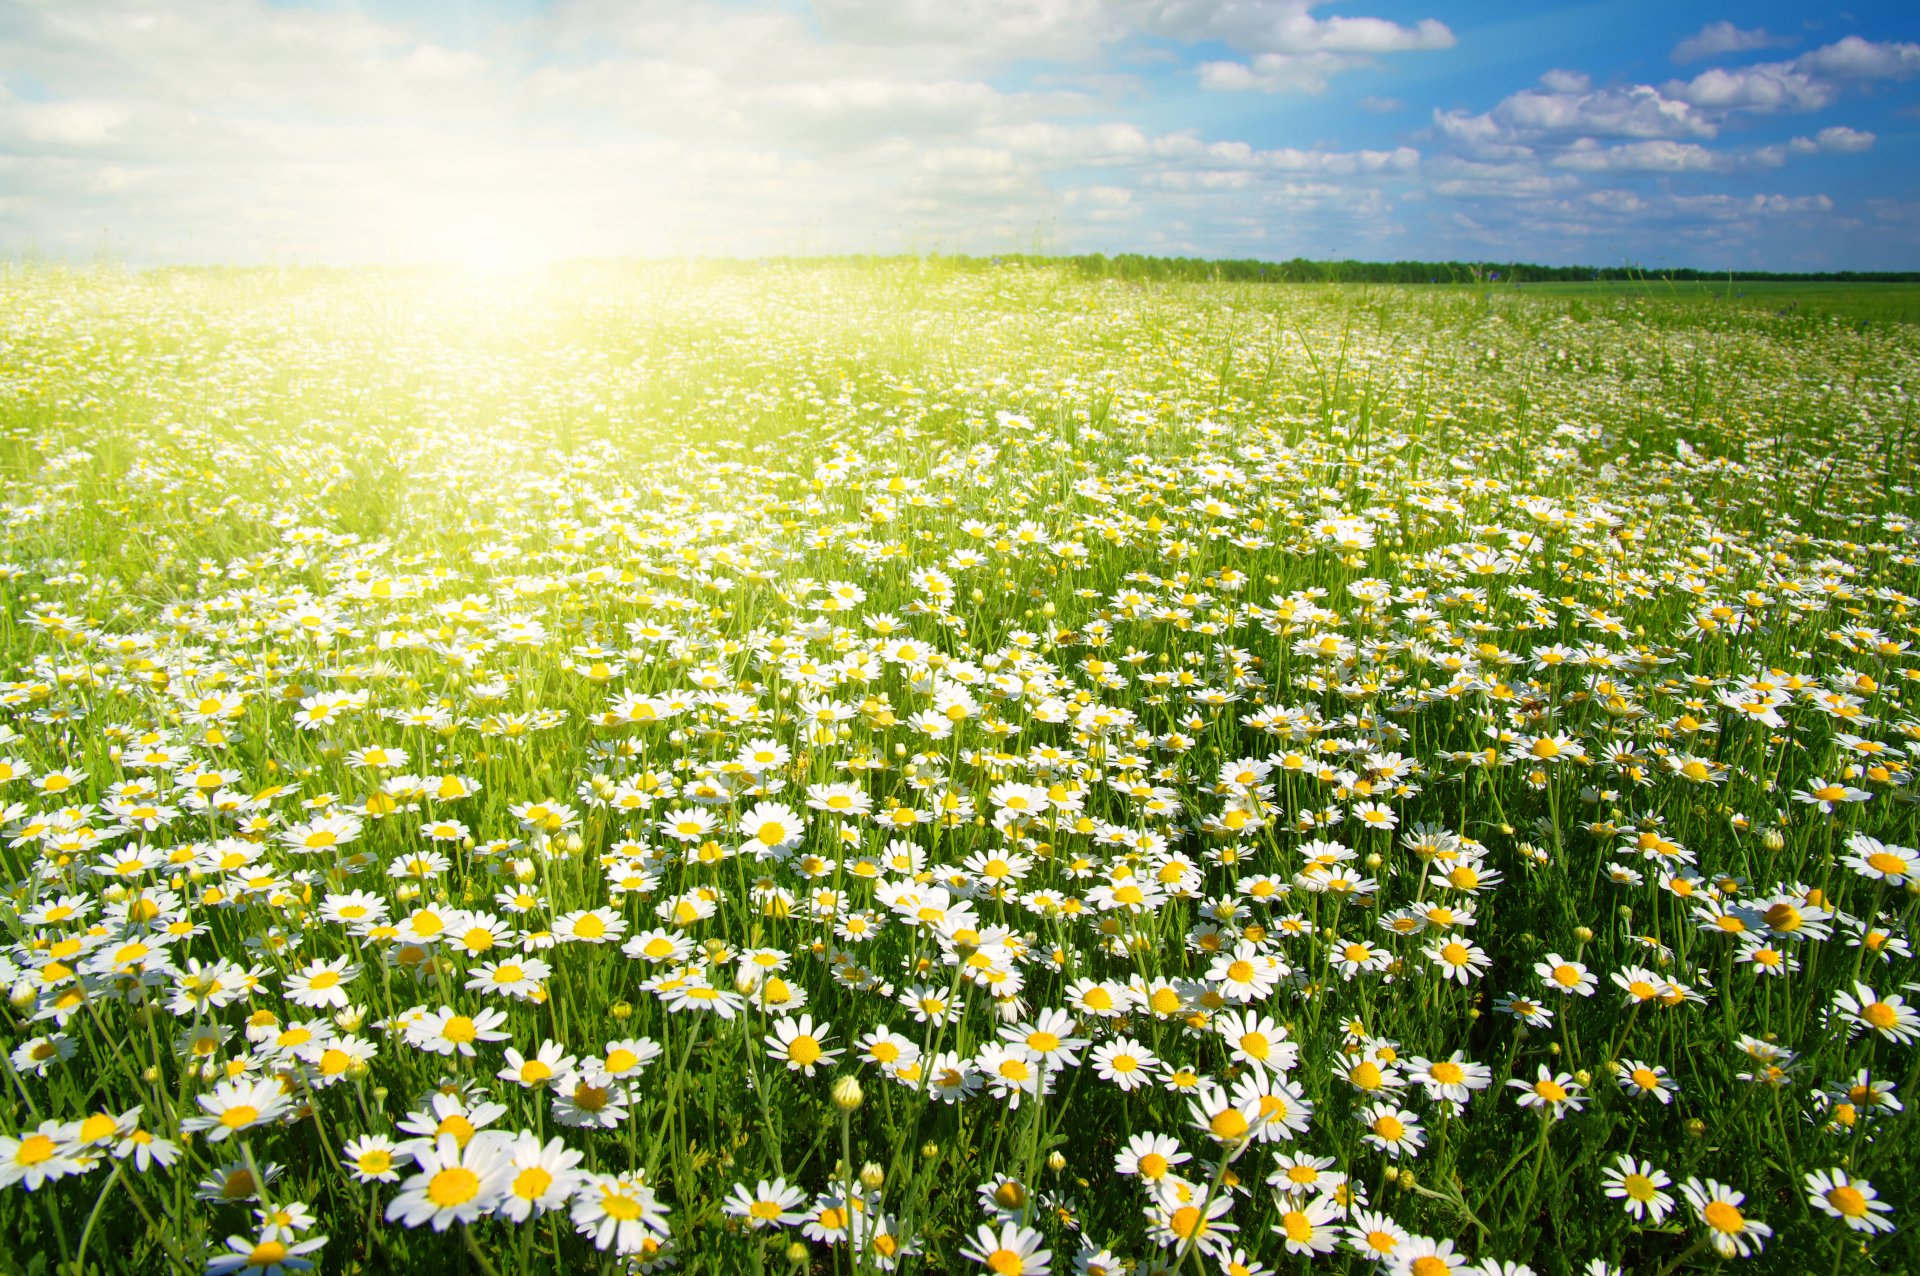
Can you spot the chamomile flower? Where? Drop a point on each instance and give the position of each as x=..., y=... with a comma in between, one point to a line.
x=1639, y=1187
x=455, y=1184
x=1730, y=1232
x=1851, y=1200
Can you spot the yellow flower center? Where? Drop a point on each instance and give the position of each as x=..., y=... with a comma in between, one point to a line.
x=455, y=1185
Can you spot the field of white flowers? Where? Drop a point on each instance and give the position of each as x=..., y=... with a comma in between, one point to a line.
x=893, y=768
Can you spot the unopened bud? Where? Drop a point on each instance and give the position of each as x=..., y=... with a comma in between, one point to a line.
x=872, y=1177
x=797, y=1254
x=847, y=1094
x=1056, y=1161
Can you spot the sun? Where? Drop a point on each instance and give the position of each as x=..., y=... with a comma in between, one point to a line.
x=497, y=252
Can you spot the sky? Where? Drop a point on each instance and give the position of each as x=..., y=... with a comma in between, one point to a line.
x=1759, y=135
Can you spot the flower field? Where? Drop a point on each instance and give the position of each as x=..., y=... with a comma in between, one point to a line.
x=879, y=768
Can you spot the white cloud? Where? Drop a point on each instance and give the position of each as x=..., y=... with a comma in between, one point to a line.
x=1566, y=81
x=1845, y=140
x=1807, y=83
x=1717, y=38
x=1644, y=157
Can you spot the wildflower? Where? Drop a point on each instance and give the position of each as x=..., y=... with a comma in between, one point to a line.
x=1393, y=1130
x=1866, y=1011
x=800, y=1045
x=767, y=1205
x=543, y=1177
x=447, y=1032
x=1012, y=1251
x=1646, y=1080
x=1553, y=1094
x=1851, y=1200
x=1731, y=1233
x=47, y=1153
x=619, y=1212
x=455, y=1184
x=233, y=1106
x=1639, y=1188
x=1306, y=1224
x=373, y=1158
x=268, y=1255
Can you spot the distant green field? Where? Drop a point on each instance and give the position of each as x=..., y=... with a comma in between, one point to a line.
x=1876, y=303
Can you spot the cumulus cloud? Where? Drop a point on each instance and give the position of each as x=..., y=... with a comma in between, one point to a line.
x=1644, y=157
x=1717, y=38
x=1807, y=83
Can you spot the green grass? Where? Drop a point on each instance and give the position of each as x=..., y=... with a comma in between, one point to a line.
x=1849, y=303
x=588, y=542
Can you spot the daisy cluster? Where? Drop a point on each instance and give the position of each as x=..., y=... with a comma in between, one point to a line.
x=914, y=768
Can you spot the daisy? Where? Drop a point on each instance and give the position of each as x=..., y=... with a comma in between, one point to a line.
x=543, y=1177
x=1375, y=1236
x=1646, y=1080
x=1552, y=1094
x=1125, y=1062
x=373, y=1158
x=234, y=1106
x=268, y=1255
x=1570, y=978
x=46, y=1153
x=446, y=1032
x=1306, y=1224
x=1012, y=1251
x=454, y=1185
x=658, y=946
x=628, y=1057
x=549, y=1065
x=322, y=983
x=1638, y=1186
x=1257, y=1039
x=1450, y=1080
x=1865, y=1011
x=1424, y=1256
x=1185, y=1218
x=698, y=995
x=590, y=1101
x=1393, y=1130
x=620, y=1212
x=1729, y=1231
x=767, y=1205
x=1458, y=959
x=800, y=1045
x=1012, y=1073
x=1151, y=1156
x=1878, y=861
x=522, y=979
x=1301, y=1175
x=449, y=1114
x=1049, y=1038
x=589, y=926
x=1283, y=1110
x=1851, y=1200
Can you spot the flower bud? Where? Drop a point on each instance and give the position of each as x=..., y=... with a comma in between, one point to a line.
x=872, y=1177
x=847, y=1094
x=1056, y=1161
x=797, y=1254
x=930, y=1151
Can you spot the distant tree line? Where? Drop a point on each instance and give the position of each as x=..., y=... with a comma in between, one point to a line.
x=1134, y=266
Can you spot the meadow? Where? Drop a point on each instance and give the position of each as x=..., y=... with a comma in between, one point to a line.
x=856, y=769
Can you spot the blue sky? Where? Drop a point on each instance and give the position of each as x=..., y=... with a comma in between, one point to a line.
x=1661, y=134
